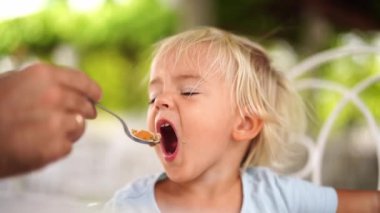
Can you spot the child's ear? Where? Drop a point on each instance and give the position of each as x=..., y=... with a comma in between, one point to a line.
x=246, y=128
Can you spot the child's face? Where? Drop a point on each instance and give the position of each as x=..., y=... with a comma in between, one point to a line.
x=192, y=109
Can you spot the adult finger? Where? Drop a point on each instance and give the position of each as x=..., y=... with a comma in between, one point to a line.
x=56, y=125
x=59, y=125
x=79, y=81
x=75, y=126
x=75, y=102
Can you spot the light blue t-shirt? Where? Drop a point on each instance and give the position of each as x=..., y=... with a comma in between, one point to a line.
x=263, y=190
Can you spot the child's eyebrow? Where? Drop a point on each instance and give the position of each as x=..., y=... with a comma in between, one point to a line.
x=178, y=78
x=183, y=77
x=155, y=81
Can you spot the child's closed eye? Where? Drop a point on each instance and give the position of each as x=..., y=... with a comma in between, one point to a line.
x=185, y=93
x=152, y=100
x=191, y=93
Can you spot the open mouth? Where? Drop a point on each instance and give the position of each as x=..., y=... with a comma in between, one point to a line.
x=169, y=139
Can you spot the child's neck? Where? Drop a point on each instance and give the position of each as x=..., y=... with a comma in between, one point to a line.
x=212, y=192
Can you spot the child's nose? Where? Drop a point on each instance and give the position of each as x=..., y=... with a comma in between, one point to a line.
x=163, y=101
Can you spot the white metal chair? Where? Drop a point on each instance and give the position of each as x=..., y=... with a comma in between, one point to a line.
x=316, y=147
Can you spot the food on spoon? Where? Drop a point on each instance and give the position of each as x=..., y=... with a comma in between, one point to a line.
x=146, y=135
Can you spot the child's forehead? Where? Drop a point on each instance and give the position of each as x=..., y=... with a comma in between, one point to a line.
x=198, y=59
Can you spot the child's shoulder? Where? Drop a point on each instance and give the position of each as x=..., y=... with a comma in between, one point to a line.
x=263, y=175
x=260, y=171
x=265, y=189
x=139, y=192
x=276, y=181
x=138, y=187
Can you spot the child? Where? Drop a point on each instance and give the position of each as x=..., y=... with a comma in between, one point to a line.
x=225, y=117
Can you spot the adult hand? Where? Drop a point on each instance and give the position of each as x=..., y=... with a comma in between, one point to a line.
x=42, y=112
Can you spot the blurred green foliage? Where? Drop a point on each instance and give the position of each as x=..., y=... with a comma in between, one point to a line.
x=310, y=27
x=113, y=45
x=348, y=72
x=112, y=42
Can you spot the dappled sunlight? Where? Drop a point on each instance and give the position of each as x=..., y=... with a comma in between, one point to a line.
x=11, y=9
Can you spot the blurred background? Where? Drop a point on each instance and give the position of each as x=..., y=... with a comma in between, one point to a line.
x=112, y=40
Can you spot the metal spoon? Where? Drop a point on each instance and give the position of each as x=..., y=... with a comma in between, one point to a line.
x=153, y=141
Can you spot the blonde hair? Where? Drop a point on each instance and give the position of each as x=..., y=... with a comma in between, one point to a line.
x=258, y=89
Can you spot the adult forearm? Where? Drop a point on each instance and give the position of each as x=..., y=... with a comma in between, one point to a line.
x=358, y=201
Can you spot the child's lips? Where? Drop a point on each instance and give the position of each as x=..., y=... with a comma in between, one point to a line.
x=170, y=157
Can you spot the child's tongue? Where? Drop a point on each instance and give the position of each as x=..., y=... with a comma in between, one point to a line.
x=169, y=139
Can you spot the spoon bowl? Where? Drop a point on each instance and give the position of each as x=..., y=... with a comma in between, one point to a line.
x=139, y=136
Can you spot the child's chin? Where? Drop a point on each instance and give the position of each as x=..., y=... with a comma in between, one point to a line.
x=178, y=177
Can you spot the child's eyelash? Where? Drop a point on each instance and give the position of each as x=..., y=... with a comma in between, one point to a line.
x=189, y=93
x=151, y=101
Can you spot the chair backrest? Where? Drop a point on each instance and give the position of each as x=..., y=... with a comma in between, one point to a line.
x=316, y=146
